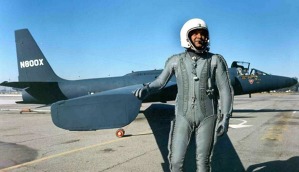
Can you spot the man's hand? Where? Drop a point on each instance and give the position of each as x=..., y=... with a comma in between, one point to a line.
x=222, y=126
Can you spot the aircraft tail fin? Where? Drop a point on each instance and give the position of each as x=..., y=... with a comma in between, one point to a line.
x=32, y=64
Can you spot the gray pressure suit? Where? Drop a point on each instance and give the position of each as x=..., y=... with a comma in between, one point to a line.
x=196, y=104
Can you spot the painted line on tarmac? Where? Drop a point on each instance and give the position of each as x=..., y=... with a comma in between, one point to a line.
x=240, y=125
x=294, y=112
x=68, y=152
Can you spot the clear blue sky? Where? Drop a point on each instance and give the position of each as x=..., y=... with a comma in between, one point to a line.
x=100, y=38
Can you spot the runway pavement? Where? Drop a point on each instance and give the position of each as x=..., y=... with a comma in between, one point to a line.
x=263, y=136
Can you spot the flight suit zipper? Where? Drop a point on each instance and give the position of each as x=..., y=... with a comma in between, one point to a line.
x=194, y=82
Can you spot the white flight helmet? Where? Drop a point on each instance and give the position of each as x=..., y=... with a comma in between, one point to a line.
x=190, y=25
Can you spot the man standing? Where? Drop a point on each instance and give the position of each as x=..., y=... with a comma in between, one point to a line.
x=202, y=77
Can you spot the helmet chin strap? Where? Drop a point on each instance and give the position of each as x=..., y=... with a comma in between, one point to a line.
x=205, y=49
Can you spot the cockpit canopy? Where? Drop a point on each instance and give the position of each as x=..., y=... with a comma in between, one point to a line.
x=243, y=69
x=257, y=72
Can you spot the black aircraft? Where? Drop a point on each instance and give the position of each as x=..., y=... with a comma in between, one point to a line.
x=102, y=103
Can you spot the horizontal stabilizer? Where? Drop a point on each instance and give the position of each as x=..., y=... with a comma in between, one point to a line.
x=110, y=109
x=23, y=85
x=15, y=84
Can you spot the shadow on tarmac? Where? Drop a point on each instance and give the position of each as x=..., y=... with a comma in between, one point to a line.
x=263, y=110
x=290, y=165
x=225, y=156
x=13, y=154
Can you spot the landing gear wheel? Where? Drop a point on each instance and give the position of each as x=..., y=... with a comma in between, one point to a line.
x=120, y=133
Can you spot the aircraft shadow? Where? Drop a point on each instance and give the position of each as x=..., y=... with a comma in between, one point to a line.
x=225, y=156
x=290, y=165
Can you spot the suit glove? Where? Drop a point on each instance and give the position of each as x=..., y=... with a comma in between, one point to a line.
x=142, y=93
x=223, y=123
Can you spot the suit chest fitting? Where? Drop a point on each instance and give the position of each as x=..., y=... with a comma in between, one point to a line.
x=192, y=82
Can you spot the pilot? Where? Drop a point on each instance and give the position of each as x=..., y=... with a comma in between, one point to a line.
x=202, y=77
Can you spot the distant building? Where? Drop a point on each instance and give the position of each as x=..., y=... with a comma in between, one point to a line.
x=9, y=90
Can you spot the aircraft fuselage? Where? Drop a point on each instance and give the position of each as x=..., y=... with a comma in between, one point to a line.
x=68, y=89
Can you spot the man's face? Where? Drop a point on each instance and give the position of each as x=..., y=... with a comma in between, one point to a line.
x=199, y=38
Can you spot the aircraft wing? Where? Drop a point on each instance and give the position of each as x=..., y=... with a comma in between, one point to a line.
x=108, y=109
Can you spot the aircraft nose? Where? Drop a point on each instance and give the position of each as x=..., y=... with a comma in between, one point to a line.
x=290, y=82
x=293, y=81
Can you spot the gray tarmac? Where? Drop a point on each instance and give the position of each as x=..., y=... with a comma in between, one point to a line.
x=263, y=136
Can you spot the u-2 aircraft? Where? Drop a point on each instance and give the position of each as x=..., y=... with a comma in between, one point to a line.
x=92, y=104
